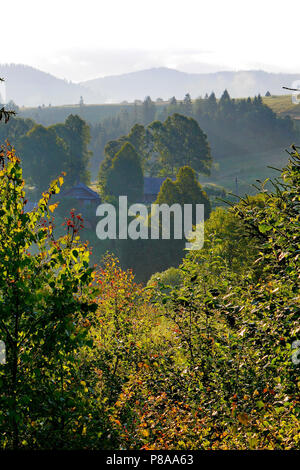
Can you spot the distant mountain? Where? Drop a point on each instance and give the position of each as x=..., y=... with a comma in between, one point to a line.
x=164, y=83
x=31, y=87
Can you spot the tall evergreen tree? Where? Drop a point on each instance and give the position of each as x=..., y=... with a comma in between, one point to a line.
x=184, y=190
x=148, y=110
x=44, y=155
x=187, y=106
x=212, y=104
x=76, y=133
x=125, y=176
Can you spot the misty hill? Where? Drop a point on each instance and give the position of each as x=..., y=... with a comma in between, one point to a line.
x=164, y=83
x=31, y=87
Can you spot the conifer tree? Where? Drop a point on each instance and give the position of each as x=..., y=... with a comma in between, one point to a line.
x=148, y=110
x=184, y=190
x=125, y=176
x=187, y=105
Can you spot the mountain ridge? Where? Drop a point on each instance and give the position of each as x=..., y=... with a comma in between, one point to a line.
x=164, y=82
x=29, y=86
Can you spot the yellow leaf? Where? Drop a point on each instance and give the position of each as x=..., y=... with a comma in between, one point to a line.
x=53, y=207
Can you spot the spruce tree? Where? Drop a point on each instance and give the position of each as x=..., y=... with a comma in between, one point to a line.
x=125, y=176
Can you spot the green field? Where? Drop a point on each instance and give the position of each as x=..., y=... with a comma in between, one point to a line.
x=247, y=169
x=283, y=105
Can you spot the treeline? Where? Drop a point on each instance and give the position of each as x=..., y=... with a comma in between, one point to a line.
x=163, y=147
x=49, y=151
x=234, y=127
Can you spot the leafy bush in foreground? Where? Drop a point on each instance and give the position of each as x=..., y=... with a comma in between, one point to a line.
x=96, y=361
x=41, y=316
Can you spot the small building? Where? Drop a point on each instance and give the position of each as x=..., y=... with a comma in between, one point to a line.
x=85, y=196
x=152, y=186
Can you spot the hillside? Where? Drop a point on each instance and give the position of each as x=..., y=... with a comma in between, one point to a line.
x=164, y=83
x=283, y=105
x=238, y=174
x=94, y=113
x=31, y=87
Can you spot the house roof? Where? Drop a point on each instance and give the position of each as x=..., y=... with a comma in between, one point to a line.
x=81, y=191
x=152, y=185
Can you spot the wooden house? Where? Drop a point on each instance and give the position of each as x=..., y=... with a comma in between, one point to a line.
x=84, y=196
x=152, y=186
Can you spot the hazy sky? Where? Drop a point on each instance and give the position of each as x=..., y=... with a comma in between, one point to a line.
x=85, y=39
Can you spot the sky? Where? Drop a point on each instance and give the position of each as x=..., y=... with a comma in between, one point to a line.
x=80, y=40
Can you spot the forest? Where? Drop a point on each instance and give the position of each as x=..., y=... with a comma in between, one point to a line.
x=229, y=144
x=251, y=125
x=141, y=344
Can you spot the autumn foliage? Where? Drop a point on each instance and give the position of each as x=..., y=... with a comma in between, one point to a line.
x=97, y=361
